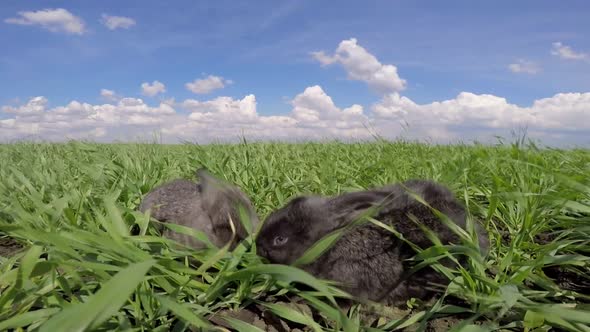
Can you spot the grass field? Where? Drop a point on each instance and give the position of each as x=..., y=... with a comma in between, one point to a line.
x=73, y=205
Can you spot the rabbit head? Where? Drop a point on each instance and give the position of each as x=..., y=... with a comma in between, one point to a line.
x=211, y=206
x=289, y=231
x=225, y=204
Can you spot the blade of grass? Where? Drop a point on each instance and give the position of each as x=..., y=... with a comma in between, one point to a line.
x=100, y=306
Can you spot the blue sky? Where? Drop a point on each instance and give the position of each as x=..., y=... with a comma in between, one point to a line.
x=440, y=48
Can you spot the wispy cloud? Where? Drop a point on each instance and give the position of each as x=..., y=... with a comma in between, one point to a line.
x=524, y=66
x=54, y=20
x=117, y=22
x=566, y=52
x=283, y=10
x=208, y=84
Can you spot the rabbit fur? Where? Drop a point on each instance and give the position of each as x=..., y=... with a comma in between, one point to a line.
x=206, y=206
x=368, y=261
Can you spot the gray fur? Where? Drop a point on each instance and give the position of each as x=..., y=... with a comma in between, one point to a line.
x=367, y=260
x=205, y=206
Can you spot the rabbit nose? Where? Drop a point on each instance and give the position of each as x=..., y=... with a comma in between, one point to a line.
x=260, y=251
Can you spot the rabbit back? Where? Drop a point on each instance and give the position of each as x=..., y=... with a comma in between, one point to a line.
x=372, y=263
x=171, y=199
x=396, y=213
x=179, y=202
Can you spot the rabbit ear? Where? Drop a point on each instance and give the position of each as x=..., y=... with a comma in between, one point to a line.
x=222, y=201
x=356, y=201
x=214, y=188
x=347, y=207
x=204, y=175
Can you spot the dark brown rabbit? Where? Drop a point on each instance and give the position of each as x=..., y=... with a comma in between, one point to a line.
x=206, y=206
x=368, y=261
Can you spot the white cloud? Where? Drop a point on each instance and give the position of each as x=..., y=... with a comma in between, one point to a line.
x=363, y=66
x=524, y=66
x=566, y=52
x=129, y=117
x=311, y=108
x=152, y=89
x=566, y=111
x=207, y=85
x=467, y=109
x=117, y=22
x=222, y=110
x=314, y=116
x=323, y=58
x=34, y=106
x=109, y=95
x=475, y=116
x=54, y=20
x=563, y=117
x=314, y=108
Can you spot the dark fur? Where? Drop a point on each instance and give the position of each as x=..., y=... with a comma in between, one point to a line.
x=368, y=260
x=205, y=206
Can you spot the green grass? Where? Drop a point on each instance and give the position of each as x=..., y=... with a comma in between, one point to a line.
x=73, y=207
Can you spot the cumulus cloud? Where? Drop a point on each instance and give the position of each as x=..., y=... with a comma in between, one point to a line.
x=467, y=109
x=363, y=66
x=222, y=109
x=314, y=115
x=568, y=113
x=117, y=22
x=566, y=52
x=524, y=67
x=35, y=105
x=152, y=89
x=82, y=120
x=313, y=112
x=109, y=95
x=207, y=85
x=314, y=108
x=564, y=111
x=54, y=20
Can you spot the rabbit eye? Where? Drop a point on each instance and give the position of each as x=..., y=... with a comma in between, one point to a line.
x=280, y=240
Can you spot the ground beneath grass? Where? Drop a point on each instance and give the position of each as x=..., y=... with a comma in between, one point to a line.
x=9, y=247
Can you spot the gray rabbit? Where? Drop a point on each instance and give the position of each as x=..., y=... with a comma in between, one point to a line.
x=368, y=261
x=206, y=206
